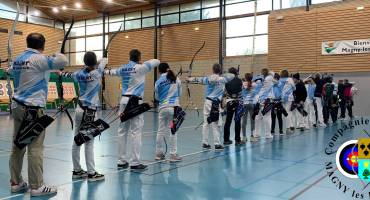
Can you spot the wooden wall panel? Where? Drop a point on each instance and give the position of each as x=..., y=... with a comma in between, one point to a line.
x=295, y=41
x=53, y=36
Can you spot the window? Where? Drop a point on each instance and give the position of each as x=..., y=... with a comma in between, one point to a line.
x=170, y=19
x=210, y=3
x=244, y=45
x=133, y=15
x=148, y=22
x=169, y=9
x=190, y=16
x=322, y=1
x=277, y=5
x=262, y=24
x=76, y=58
x=264, y=5
x=210, y=13
x=94, y=29
x=240, y=8
x=293, y=3
x=190, y=6
x=133, y=24
x=41, y=21
x=148, y=13
x=77, y=45
x=80, y=31
x=94, y=43
x=113, y=27
x=94, y=21
x=261, y=44
x=116, y=18
x=239, y=27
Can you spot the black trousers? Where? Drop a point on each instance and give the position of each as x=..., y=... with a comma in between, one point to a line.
x=276, y=113
x=230, y=112
x=346, y=104
x=329, y=111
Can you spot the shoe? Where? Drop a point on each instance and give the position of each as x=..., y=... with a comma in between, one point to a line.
x=269, y=136
x=20, y=187
x=160, y=156
x=122, y=164
x=292, y=128
x=219, y=147
x=228, y=142
x=281, y=133
x=256, y=136
x=95, y=177
x=254, y=139
x=175, y=158
x=314, y=125
x=301, y=129
x=206, y=146
x=139, y=167
x=272, y=132
x=79, y=174
x=43, y=190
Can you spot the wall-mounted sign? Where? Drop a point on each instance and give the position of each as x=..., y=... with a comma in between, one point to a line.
x=346, y=47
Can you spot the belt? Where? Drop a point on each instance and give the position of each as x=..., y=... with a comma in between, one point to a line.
x=22, y=104
x=129, y=96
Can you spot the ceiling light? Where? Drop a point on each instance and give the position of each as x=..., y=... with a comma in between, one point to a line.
x=64, y=7
x=78, y=5
x=360, y=8
x=36, y=13
x=196, y=28
x=109, y=1
x=55, y=10
x=127, y=37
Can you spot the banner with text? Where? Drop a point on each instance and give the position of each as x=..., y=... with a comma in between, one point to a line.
x=346, y=47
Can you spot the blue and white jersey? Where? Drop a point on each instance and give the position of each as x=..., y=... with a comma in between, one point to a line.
x=168, y=93
x=133, y=76
x=266, y=90
x=287, y=88
x=277, y=90
x=249, y=93
x=31, y=71
x=310, y=91
x=89, y=84
x=215, y=85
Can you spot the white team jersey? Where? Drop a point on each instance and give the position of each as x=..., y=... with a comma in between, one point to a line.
x=89, y=84
x=215, y=84
x=31, y=71
x=288, y=87
x=266, y=89
x=133, y=76
x=166, y=92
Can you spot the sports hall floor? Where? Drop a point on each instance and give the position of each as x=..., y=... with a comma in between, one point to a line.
x=282, y=168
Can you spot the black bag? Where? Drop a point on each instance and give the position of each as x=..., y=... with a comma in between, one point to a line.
x=31, y=128
x=134, y=111
x=90, y=130
x=178, y=119
x=214, y=114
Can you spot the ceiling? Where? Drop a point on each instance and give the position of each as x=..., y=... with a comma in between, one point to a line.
x=90, y=8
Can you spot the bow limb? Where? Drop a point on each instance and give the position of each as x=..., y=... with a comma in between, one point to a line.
x=189, y=75
x=62, y=107
x=10, y=56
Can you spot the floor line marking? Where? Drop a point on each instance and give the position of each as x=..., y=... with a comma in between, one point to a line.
x=309, y=187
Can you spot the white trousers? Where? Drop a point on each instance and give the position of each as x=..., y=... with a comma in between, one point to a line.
x=215, y=125
x=289, y=120
x=89, y=147
x=300, y=119
x=310, y=120
x=320, y=118
x=134, y=128
x=263, y=122
x=165, y=119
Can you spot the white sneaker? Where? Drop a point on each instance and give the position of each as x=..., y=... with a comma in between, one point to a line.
x=322, y=125
x=14, y=188
x=43, y=190
x=269, y=136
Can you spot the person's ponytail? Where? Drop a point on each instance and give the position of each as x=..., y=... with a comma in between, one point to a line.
x=171, y=75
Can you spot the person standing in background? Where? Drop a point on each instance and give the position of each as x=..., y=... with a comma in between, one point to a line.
x=288, y=87
x=319, y=100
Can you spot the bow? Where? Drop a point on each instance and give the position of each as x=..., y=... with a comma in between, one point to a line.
x=189, y=75
x=105, y=55
x=10, y=56
x=62, y=107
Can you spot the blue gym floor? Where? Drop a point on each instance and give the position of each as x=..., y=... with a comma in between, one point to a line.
x=282, y=168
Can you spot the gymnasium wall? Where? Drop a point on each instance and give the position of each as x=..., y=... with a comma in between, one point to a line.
x=53, y=36
x=176, y=45
x=295, y=41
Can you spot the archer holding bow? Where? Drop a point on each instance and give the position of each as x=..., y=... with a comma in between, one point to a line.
x=31, y=72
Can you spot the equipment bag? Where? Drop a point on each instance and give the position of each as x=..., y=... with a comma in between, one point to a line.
x=256, y=110
x=267, y=107
x=178, y=119
x=31, y=128
x=214, y=114
x=239, y=111
x=90, y=130
x=134, y=111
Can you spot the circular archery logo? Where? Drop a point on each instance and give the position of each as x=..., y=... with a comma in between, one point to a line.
x=350, y=172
